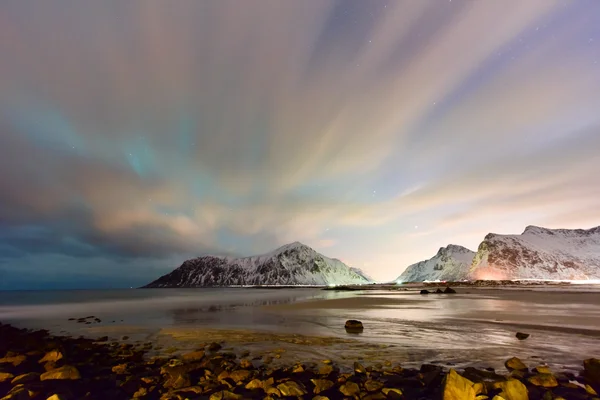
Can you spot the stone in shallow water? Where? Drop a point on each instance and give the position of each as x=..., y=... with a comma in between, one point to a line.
x=521, y=335
x=457, y=388
x=353, y=326
x=512, y=389
x=515, y=364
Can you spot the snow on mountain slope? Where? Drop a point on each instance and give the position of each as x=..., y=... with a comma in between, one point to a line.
x=539, y=253
x=292, y=264
x=451, y=263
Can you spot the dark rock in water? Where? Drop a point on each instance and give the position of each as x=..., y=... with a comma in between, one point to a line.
x=102, y=339
x=522, y=336
x=449, y=290
x=424, y=291
x=353, y=326
x=439, y=290
x=125, y=338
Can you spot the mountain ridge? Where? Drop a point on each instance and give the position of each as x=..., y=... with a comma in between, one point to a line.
x=539, y=253
x=291, y=264
x=451, y=263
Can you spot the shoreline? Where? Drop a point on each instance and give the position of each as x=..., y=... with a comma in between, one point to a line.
x=35, y=364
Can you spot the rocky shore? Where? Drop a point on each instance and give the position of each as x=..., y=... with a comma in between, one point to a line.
x=37, y=365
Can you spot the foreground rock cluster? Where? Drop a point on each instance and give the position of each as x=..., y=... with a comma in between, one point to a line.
x=36, y=365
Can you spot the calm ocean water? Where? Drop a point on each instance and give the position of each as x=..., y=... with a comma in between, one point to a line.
x=473, y=327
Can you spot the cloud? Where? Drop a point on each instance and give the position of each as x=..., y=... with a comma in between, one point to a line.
x=146, y=131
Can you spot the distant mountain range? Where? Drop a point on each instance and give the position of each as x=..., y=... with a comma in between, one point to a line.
x=537, y=253
x=292, y=264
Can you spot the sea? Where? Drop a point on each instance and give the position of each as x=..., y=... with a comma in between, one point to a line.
x=475, y=327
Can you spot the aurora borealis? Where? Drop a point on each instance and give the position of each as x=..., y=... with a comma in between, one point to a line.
x=136, y=134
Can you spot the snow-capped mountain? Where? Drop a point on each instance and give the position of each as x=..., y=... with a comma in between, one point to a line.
x=539, y=253
x=451, y=263
x=292, y=264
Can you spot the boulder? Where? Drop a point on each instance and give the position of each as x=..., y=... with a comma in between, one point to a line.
x=26, y=378
x=449, y=290
x=424, y=291
x=193, y=356
x=591, y=370
x=543, y=380
x=291, y=388
x=373, y=386
x=5, y=376
x=321, y=385
x=120, y=369
x=359, y=369
x=225, y=395
x=239, y=376
x=457, y=388
x=512, y=389
x=542, y=369
x=15, y=360
x=387, y=391
x=255, y=384
x=439, y=291
x=515, y=364
x=52, y=356
x=353, y=326
x=67, y=372
x=326, y=369
x=349, y=389
x=56, y=397
x=521, y=335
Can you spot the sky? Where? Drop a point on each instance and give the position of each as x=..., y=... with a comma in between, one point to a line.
x=137, y=134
